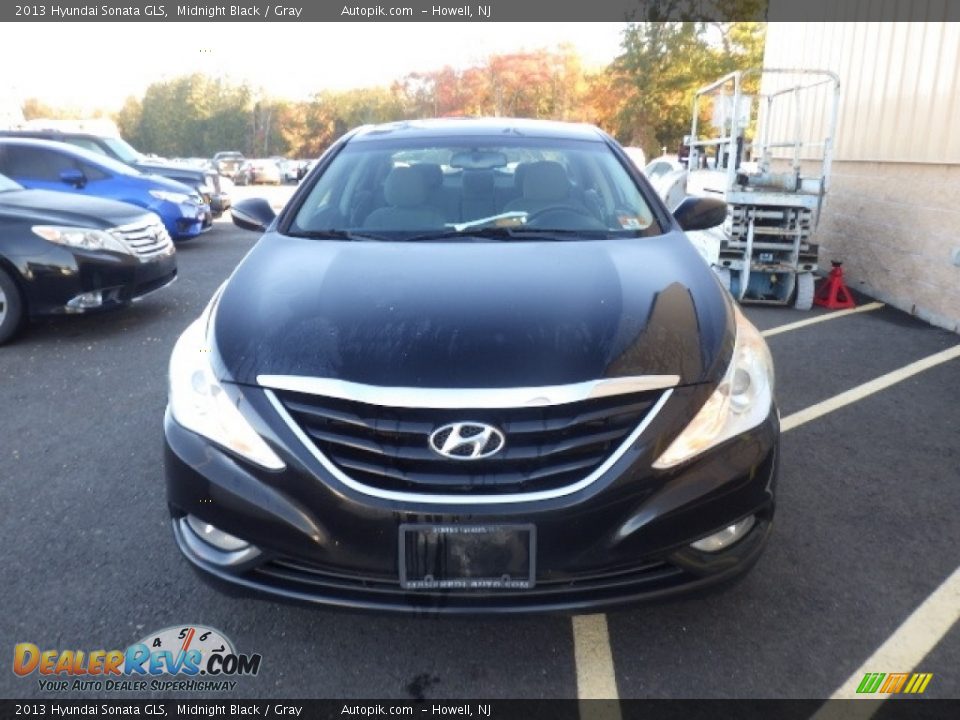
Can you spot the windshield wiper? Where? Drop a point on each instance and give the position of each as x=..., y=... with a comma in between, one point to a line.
x=502, y=233
x=339, y=235
x=513, y=232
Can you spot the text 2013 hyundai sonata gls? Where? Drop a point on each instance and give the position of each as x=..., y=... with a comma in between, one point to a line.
x=473, y=366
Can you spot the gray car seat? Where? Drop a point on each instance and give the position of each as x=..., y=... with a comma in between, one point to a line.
x=545, y=185
x=406, y=191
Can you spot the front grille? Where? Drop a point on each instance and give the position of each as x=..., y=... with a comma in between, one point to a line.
x=546, y=448
x=145, y=239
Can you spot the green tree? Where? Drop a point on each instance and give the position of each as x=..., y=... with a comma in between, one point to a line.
x=191, y=115
x=661, y=67
x=128, y=120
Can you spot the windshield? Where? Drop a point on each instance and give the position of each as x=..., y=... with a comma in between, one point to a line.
x=488, y=188
x=122, y=149
x=6, y=184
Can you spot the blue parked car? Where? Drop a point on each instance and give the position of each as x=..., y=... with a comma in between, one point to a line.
x=46, y=165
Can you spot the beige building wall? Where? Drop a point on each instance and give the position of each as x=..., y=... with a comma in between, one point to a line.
x=892, y=213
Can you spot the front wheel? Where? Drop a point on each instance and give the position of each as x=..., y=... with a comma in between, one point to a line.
x=11, y=308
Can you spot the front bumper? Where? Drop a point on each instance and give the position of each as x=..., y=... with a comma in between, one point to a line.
x=624, y=539
x=65, y=274
x=184, y=220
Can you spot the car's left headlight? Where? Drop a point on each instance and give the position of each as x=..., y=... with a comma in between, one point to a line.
x=741, y=401
x=199, y=402
x=80, y=237
x=169, y=196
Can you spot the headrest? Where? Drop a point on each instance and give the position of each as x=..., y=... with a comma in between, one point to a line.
x=432, y=174
x=477, y=182
x=405, y=187
x=545, y=180
x=519, y=173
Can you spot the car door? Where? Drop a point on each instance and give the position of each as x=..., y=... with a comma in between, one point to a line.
x=102, y=183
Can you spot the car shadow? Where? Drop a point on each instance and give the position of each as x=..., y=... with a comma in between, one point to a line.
x=104, y=324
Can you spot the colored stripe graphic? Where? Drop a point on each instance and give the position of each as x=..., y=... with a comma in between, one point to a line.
x=870, y=682
x=918, y=683
x=894, y=682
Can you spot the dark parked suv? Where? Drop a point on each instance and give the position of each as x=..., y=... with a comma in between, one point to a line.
x=473, y=366
x=205, y=182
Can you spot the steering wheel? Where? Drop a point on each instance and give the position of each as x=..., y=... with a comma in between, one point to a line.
x=567, y=217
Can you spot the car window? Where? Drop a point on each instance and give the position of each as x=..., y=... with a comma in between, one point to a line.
x=123, y=150
x=92, y=172
x=401, y=188
x=657, y=169
x=87, y=144
x=35, y=163
x=6, y=184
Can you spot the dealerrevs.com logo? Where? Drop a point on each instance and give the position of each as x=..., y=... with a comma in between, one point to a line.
x=202, y=658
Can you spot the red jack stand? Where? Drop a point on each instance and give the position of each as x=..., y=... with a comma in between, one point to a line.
x=833, y=293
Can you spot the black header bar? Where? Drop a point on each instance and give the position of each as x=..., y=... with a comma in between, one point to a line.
x=482, y=11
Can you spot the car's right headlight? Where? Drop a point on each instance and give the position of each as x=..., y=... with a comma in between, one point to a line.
x=199, y=403
x=81, y=237
x=741, y=401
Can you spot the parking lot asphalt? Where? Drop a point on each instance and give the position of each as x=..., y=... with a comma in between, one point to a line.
x=866, y=529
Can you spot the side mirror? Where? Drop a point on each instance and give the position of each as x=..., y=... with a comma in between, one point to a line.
x=253, y=214
x=700, y=213
x=73, y=177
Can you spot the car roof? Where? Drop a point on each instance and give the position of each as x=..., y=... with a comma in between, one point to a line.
x=44, y=132
x=94, y=158
x=478, y=127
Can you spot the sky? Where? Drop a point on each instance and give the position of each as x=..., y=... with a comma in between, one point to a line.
x=98, y=65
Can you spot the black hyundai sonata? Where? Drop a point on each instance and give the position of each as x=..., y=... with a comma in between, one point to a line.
x=473, y=366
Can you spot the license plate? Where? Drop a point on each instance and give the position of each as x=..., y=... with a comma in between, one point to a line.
x=467, y=557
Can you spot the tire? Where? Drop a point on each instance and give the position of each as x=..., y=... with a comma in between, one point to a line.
x=11, y=307
x=804, y=292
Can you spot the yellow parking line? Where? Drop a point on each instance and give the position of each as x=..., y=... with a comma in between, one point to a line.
x=821, y=318
x=591, y=638
x=867, y=389
x=901, y=652
x=596, y=679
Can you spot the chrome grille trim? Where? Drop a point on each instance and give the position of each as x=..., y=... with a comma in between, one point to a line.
x=146, y=239
x=479, y=398
x=498, y=499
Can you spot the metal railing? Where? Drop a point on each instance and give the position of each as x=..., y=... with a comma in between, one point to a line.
x=732, y=141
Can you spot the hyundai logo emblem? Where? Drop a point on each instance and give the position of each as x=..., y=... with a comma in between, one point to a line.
x=467, y=441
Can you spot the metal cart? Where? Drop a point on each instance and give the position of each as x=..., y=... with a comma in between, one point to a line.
x=763, y=253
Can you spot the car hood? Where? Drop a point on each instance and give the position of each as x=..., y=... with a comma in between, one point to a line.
x=472, y=314
x=151, y=167
x=159, y=182
x=62, y=208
